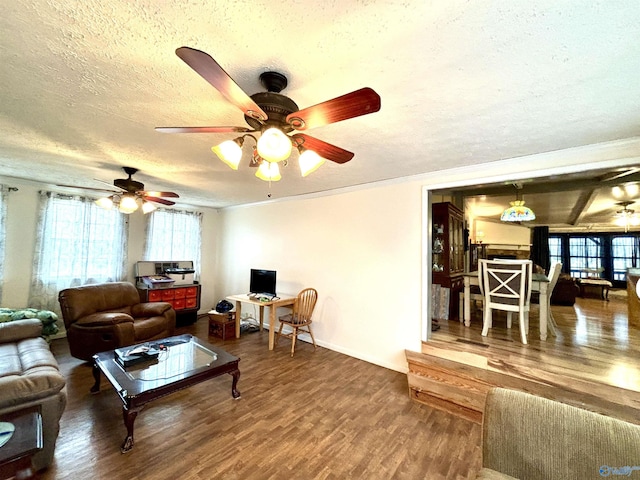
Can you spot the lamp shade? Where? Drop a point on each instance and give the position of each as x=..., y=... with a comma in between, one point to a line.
x=517, y=212
x=128, y=204
x=309, y=162
x=274, y=145
x=106, y=203
x=269, y=172
x=229, y=152
x=148, y=207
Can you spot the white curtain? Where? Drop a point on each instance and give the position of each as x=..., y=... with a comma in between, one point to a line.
x=174, y=235
x=4, y=191
x=77, y=243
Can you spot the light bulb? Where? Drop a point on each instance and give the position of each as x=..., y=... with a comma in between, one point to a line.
x=106, y=203
x=309, y=162
x=274, y=145
x=230, y=152
x=269, y=172
x=128, y=204
x=148, y=207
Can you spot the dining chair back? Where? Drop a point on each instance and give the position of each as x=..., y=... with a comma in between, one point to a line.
x=300, y=319
x=554, y=273
x=507, y=287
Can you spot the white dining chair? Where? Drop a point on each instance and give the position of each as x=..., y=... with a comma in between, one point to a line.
x=554, y=273
x=507, y=287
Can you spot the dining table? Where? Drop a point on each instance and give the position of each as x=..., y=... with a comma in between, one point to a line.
x=539, y=283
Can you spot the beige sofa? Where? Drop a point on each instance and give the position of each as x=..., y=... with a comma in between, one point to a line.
x=529, y=437
x=29, y=376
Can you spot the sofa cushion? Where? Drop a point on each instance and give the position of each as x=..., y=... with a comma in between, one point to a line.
x=150, y=328
x=28, y=371
x=98, y=319
x=19, y=329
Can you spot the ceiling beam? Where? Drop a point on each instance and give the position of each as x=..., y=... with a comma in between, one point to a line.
x=581, y=206
x=548, y=186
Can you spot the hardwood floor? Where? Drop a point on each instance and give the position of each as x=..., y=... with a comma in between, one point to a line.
x=592, y=362
x=318, y=415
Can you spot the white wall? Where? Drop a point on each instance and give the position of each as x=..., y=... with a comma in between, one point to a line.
x=360, y=250
x=502, y=233
x=21, y=228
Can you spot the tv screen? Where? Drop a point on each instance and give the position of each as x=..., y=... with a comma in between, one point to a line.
x=263, y=282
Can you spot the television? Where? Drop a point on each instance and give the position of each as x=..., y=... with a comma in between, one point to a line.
x=263, y=282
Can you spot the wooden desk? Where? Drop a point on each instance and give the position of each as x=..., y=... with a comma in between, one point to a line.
x=539, y=283
x=282, y=301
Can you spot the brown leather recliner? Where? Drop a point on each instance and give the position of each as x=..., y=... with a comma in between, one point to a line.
x=106, y=316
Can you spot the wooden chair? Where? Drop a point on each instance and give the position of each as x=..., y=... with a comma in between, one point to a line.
x=300, y=319
x=507, y=287
x=554, y=273
x=476, y=293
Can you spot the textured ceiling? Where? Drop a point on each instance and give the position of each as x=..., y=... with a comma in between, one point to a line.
x=84, y=83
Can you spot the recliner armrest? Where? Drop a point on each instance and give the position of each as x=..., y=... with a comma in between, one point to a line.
x=104, y=318
x=20, y=329
x=150, y=309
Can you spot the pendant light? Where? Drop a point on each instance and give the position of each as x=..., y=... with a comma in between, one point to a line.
x=517, y=212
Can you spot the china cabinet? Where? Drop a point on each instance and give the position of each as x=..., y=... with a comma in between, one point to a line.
x=447, y=252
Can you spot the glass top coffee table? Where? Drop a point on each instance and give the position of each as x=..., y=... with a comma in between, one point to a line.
x=175, y=363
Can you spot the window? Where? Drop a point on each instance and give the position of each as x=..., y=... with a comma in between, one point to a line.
x=625, y=253
x=77, y=243
x=585, y=254
x=555, y=249
x=174, y=236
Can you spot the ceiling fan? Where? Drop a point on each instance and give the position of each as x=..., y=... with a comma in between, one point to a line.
x=130, y=194
x=275, y=116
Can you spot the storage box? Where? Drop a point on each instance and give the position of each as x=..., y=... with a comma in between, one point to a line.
x=222, y=325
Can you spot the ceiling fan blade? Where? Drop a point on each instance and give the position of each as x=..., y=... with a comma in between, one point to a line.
x=159, y=194
x=203, y=129
x=354, y=104
x=89, y=188
x=324, y=149
x=213, y=73
x=159, y=200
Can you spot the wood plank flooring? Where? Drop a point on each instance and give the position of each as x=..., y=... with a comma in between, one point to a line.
x=318, y=415
x=592, y=362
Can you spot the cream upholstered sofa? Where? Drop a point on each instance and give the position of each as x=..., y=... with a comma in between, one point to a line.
x=530, y=437
x=29, y=376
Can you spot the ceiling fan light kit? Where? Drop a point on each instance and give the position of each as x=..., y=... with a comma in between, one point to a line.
x=626, y=217
x=275, y=116
x=130, y=195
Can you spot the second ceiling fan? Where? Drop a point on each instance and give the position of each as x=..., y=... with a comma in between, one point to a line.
x=275, y=116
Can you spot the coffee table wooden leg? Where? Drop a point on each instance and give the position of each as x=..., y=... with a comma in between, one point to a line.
x=96, y=377
x=234, y=390
x=129, y=416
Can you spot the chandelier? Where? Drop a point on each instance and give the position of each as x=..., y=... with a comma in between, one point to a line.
x=517, y=212
x=272, y=147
